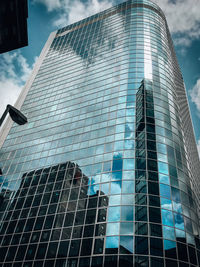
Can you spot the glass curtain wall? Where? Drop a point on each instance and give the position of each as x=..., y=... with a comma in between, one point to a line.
x=99, y=175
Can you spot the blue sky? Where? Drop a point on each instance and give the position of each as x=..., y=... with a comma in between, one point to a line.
x=45, y=16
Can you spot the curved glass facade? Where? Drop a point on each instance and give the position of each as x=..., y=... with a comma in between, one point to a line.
x=102, y=174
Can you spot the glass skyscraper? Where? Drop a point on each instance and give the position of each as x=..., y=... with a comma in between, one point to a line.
x=105, y=172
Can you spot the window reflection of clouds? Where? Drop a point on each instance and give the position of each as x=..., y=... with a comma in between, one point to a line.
x=164, y=178
x=126, y=228
x=179, y=233
x=188, y=225
x=105, y=177
x=128, y=175
x=190, y=239
x=114, y=200
x=175, y=194
x=166, y=203
x=129, y=144
x=179, y=222
x=165, y=191
x=113, y=214
x=177, y=207
x=128, y=187
x=119, y=145
x=128, y=199
x=167, y=217
x=115, y=188
x=168, y=233
x=127, y=213
x=112, y=229
x=169, y=244
x=105, y=188
x=162, y=157
x=112, y=242
x=162, y=167
x=129, y=164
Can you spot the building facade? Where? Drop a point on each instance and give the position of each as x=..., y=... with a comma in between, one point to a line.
x=105, y=173
x=13, y=24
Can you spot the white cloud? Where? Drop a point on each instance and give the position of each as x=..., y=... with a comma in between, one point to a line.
x=71, y=11
x=195, y=94
x=77, y=10
x=183, y=18
x=14, y=71
x=50, y=4
x=198, y=147
x=195, y=98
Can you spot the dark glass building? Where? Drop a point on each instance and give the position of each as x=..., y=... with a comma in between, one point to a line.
x=105, y=172
x=13, y=24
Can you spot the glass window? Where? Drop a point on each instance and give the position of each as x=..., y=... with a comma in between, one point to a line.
x=154, y=215
x=39, y=223
x=166, y=203
x=11, y=253
x=182, y=252
x=117, y=164
x=154, y=201
x=102, y=215
x=164, y=178
x=163, y=167
x=49, y=222
x=141, y=261
x=165, y=191
x=84, y=262
x=141, y=228
x=128, y=187
x=86, y=247
x=45, y=236
x=97, y=261
x=74, y=248
x=98, y=246
x=127, y=213
x=112, y=242
x=110, y=261
x=159, y=262
x=179, y=222
x=52, y=249
x=141, y=245
x=129, y=164
x=192, y=255
x=168, y=233
x=115, y=200
x=100, y=229
x=156, y=247
x=175, y=195
x=112, y=229
x=170, y=249
x=153, y=188
x=152, y=165
x=155, y=230
x=180, y=234
x=167, y=217
x=128, y=260
x=140, y=186
x=126, y=228
x=30, y=254
x=113, y=214
x=41, y=251
x=126, y=244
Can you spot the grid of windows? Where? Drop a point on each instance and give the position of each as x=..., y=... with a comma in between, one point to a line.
x=100, y=174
